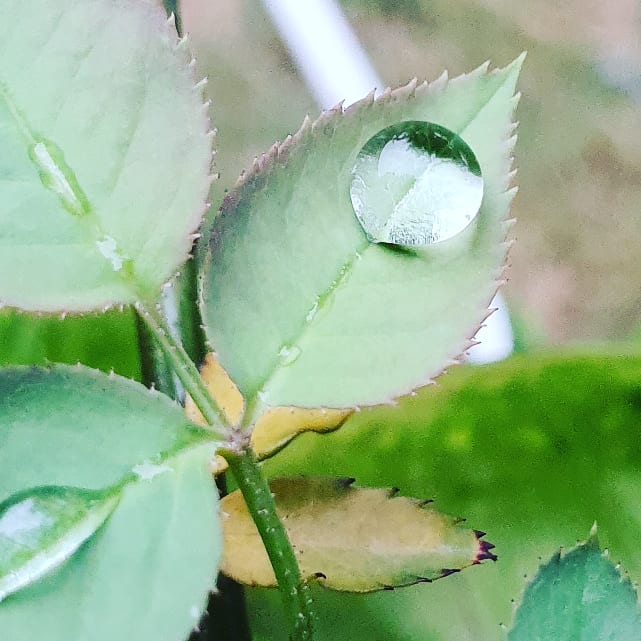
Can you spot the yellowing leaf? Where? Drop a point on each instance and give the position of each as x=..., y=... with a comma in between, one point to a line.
x=274, y=428
x=350, y=538
x=279, y=425
x=222, y=388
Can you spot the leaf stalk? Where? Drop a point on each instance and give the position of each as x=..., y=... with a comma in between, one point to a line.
x=246, y=470
x=260, y=503
x=185, y=370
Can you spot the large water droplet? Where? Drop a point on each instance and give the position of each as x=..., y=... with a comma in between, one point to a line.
x=415, y=183
x=42, y=527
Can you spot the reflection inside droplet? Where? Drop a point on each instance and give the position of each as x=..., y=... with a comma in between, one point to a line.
x=415, y=183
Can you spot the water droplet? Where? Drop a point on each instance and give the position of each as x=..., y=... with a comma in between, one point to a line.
x=42, y=527
x=147, y=470
x=288, y=354
x=108, y=247
x=312, y=312
x=415, y=183
x=22, y=520
x=57, y=176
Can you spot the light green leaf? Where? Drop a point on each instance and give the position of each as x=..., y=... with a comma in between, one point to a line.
x=146, y=574
x=105, y=153
x=351, y=538
x=40, y=528
x=329, y=318
x=578, y=596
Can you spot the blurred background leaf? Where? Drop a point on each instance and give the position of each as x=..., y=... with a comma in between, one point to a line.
x=102, y=341
x=531, y=450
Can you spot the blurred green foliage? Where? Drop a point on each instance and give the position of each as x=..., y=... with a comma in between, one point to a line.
x=107, y=341
x=532, y=450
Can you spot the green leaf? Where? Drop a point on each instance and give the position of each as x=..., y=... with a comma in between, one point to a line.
x=146, y=573
x=533, y=450
x=351, y=538
x=40, y=528
x=578, y=596
x=105, y=153
x=329, y=318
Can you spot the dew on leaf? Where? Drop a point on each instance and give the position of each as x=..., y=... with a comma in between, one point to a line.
x=311, y=314
x=42, y=527
x=288, y=354
x=146, y=471
x=108, y=247
x=57, y=176
x=415, y=183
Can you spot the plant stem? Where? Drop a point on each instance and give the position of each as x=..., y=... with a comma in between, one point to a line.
x=251, y=482
x=260, y=502
x=185, y=369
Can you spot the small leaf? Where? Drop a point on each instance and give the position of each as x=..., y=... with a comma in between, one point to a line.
x=331, y=319
x=580, y=595
x=105, y=154
x=42, y=527
x=351, y=538
x=273, y=429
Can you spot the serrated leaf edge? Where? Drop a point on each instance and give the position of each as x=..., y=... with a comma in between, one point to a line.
x=278, y=154
x=182, y=48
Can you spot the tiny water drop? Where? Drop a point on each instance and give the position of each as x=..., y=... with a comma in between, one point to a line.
x=288, y=354
x=108, y=247
x=146, y=471
x=415, y=183
x=312, y=312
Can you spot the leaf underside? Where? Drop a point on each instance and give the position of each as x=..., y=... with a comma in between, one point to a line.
x=576, y=596
x=105, y=156
x=350, y=538
x=151, y=566
x=330, y=319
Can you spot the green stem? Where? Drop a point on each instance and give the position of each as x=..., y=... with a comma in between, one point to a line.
x=260, y=502
x=185, y=369
x=248, y=475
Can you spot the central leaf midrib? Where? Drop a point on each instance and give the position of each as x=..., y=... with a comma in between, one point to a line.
x=94, y=232
x=342, y=275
